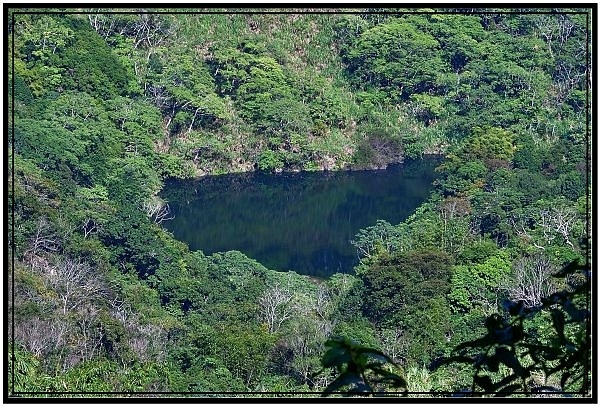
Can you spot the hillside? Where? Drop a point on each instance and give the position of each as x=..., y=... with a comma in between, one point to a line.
x=109, y=106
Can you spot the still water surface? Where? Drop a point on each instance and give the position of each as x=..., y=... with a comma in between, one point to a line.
x=295, y=221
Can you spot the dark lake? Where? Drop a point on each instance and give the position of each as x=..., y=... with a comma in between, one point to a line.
x=295, y=221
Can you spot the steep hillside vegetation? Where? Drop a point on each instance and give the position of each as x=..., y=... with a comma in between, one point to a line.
x=108, y=106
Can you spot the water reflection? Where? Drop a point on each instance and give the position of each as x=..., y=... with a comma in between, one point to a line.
x=301, y=221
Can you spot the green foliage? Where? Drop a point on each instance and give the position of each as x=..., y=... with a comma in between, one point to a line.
x=90, y=65
x=360, y=369
x=190, y=90
x=377, y=238
x=92, y=376
x=562, y=358
x=429, y=108
x=490, y=144
x=25, y=374
x=477, y=252
x=107, y=106
x=482, y=154
x=22, y=92
x=477, y=285
x=269, y=161
x=245, y=352
x=358, y=330
x=460, y=37
x=398, y=57
x=428, y=327
x=401, y=282
x=40, y=39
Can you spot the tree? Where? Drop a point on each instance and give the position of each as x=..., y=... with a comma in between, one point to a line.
x=90, y=66
x=276, y=306
x=397, y=284
x=44, y=240
x=140, y=123
x=490, y=144
x=43, y=35
x=560, y=220
x=478, y=286
x=157, y=210
x=460, y=36
x=245, y=352
x=398, y=57
x=147, y=34
x=360, y=369
x=74, y=282
x=95, y=209
x=40, y=39
x=457, y=229
x=394, y=343
x=185, y=92
x=40, y=337
x=369, y=240
x=512, y=358
x=532, y=281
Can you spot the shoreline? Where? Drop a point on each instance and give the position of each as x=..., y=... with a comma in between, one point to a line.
x=282, y=171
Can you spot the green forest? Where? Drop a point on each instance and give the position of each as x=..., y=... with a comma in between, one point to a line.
x=484, y=290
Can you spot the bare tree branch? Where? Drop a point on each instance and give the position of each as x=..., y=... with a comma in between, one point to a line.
x=157, y=210
x=275, y=307
x=532, y=280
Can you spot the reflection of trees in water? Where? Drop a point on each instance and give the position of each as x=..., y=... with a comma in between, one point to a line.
x=299, y=221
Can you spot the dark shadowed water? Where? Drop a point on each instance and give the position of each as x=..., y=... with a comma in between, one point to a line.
x=295, y=221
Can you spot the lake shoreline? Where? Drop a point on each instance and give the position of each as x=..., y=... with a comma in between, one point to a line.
x=322, y=168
